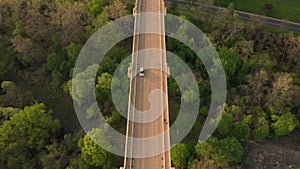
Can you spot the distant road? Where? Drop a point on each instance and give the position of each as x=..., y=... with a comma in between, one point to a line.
x=245, y=16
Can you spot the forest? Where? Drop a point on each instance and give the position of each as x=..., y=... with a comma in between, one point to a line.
x=39, y=45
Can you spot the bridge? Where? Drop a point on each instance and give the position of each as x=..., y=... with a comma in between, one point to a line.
x=148, y=114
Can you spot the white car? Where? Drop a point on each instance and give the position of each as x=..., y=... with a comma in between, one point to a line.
x=142, y=72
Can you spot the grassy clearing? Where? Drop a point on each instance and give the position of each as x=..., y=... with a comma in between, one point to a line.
x=282, y=9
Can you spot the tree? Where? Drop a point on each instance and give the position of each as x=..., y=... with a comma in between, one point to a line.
x=262, y=60
x=73, y=51
x=226, y=124
x=293, y=51
x=206, y=149
x=24, y=46
x=173, y=8
x=284, y=123
x=92, y=111
x=25, y=135
x=7, y=56
x=13, y=96
x=241, y=131
x=256, y=88
x=103, y=87
x=115, y=117
x=9, y=14
x=281, y=94
x=58, y=153
x=54, y=61
x=97, y=23
x=203, y=164
x=55, y=157
x=179, y=155
x=116, y=10
x=114, y=56
x=37, y=20
x=182, y=125
x=30, y=29
x=62, y=61
x=70, y=21
x=94, y=155
x=6, y=113
x=245, y=48
x=104, y=81
x=83, y=78
x=78, y=163
x=273, y=91
x=230, y=8
x=95, y=7
x=224, y=152
x=261, y=132
x=231, y=62
x=189, y=96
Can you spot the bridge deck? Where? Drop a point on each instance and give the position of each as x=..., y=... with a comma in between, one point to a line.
x=154, y=63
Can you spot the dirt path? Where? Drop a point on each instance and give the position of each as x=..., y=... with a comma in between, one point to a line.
x=283, y=153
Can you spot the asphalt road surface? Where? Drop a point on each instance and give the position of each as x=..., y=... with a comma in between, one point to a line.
x=148, y=93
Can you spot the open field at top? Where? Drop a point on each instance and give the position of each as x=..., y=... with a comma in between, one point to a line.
x=282, y=9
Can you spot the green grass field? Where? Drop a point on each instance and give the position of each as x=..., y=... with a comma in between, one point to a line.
x=282, y=9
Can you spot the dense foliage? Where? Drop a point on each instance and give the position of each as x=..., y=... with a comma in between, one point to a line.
x=39, y=45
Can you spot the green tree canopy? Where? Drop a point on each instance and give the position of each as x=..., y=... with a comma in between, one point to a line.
x=93, y=154
x=224, y=152
x=58, y=153
x=284, y=123
x=78, y=163
x=261, y=132
x=231, y=62
x=241, y=131
x=180, y=155
x=230, y=8
x=226, y=124
x=95, y=7
x=73, y=51
x=83, y=78
x=24, y=135
x=103, y=87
